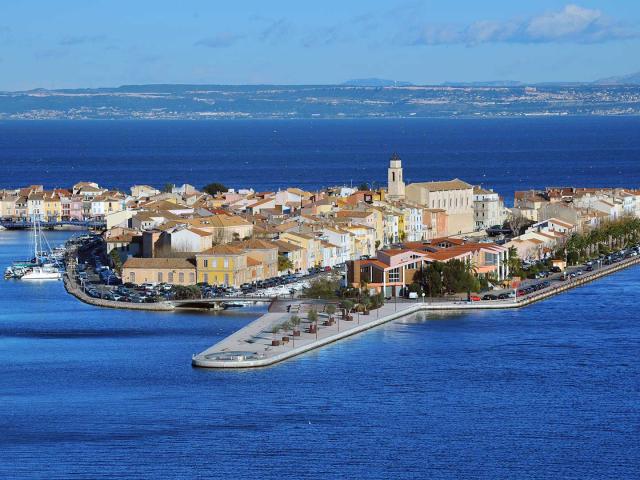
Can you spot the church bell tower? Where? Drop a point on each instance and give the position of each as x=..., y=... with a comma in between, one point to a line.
x=395, y=183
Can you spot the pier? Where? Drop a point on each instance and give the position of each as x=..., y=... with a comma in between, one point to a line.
x=252, y=346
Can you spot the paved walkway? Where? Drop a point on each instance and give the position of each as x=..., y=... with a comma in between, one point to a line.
x=251, y=346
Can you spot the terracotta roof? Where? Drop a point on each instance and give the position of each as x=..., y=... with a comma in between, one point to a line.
x=375, y=262
x=284, y=246
x=455, y=184
x=222, y=250
x=173, y=263
x=353, y=214
x=255, y=244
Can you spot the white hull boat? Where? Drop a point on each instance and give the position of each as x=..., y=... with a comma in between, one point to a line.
x=39, y=273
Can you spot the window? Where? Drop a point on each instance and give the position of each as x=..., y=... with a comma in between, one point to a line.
x=226, y=279
x=132, y=277
x=206, y=278
x=226, y=263
x=192, y=278
x=160, y=277
x=170, y=277
x=394, y=275
x=181, y=277
x=205, y=263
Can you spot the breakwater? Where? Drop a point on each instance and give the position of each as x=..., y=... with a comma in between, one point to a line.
x=253, y=346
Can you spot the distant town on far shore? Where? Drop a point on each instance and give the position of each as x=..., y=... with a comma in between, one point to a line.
x=369, y=98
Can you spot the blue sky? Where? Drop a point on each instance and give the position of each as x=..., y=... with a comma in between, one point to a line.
x=56, y=44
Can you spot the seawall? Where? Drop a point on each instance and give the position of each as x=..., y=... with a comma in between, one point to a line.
x=73, y=289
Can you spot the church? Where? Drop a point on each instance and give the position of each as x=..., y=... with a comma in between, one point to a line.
x=454, y=196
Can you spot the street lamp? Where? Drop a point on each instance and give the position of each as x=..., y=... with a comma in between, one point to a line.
x=423, y=295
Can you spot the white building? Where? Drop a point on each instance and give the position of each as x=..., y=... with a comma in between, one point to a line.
x=488, y=208
x=453, y=196
x=342, y=239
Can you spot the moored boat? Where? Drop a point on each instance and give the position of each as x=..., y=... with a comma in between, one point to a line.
x=42, y=273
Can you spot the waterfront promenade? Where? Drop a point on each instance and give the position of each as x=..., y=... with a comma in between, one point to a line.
x=252, y=347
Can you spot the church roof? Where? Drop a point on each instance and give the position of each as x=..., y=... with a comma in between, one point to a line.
x=455, y=184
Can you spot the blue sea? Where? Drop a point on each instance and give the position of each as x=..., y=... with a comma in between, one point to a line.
x=546, y=392
x=505, y=154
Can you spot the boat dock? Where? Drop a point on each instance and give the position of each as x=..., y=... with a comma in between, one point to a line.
x=253, y=346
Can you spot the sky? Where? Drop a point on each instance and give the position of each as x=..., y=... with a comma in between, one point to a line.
x=106, y=43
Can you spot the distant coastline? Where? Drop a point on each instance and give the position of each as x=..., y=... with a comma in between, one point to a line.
x=210, y=102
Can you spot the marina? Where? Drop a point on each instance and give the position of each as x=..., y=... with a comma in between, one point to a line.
x=47, y=263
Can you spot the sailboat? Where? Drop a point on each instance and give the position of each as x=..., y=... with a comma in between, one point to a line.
x=41, y=270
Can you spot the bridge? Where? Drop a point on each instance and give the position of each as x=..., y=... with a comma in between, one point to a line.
x=24, y=224
x=218, y=303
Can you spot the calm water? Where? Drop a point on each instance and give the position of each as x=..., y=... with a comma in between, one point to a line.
x=550, y=391
x=506, y=154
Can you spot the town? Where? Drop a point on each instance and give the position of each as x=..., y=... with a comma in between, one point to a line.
x=243, y=240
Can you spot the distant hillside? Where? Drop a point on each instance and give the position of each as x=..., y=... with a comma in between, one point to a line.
x=375, y=82
x=489, y=83
x=630, y=79
x=177, y=102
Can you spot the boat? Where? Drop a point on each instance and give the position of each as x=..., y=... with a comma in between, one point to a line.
x=42, y=273
x=45, y=265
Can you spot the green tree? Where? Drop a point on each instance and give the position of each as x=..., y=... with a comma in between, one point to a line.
x=188, y=292
x=275, y=329
x=331, y=310
x=116, y=261
x=346, y=304
x=168, y=187
x=284, y=263
x=363, y=187
x=214, y=188
x=312, y=316
x=322, y=288
x=430, y=279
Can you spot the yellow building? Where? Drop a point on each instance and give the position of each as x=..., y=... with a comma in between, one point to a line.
x=224, y=265
x=311, y=246
x=52, y=207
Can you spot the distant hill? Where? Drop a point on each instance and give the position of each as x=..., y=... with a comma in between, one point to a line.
x=630, y=79
x=489, y=83
x=375, y=82
x=355, y=100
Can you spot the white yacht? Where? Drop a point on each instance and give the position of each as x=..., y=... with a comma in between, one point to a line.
x=42, y=273
x=44, y=266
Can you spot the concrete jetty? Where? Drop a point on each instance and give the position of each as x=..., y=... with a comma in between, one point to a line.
x=252, y=347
